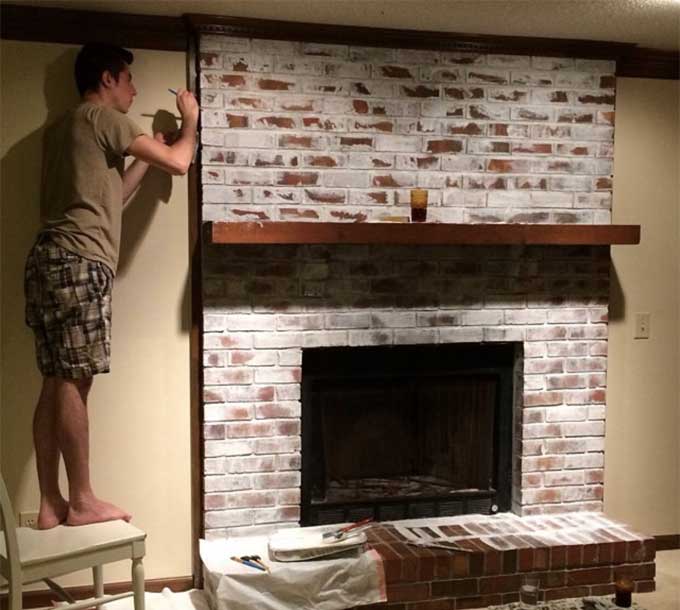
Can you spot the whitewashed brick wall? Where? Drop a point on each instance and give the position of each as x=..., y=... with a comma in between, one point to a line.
x=265, y=304
x=295, y=131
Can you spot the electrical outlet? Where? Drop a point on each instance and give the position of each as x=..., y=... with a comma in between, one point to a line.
x=642, y=325
x=28, y=518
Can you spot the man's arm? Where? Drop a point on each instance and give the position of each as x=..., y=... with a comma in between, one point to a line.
x=176, y=158
x=134, y=173
x=131, y=178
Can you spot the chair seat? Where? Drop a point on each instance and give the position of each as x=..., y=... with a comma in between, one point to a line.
x=36, y=546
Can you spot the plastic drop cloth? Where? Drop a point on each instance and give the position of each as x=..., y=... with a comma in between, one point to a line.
x=321, y=584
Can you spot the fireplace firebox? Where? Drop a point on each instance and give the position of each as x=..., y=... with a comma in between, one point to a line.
x=406, y=431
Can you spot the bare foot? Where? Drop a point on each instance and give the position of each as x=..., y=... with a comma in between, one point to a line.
x=53, y=511
x=94, y=510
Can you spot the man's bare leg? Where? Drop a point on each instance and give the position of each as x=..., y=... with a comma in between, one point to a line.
x=74, y=442
x=53, y=506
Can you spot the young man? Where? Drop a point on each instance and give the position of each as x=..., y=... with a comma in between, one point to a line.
x=70, y=269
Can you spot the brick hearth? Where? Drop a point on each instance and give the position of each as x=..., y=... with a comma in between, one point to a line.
x=594, y=552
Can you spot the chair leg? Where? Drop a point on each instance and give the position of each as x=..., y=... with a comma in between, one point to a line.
x=138, y=583
x=98, y=578
x=15, y=601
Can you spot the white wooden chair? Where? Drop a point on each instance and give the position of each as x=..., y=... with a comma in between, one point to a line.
x=28, y=555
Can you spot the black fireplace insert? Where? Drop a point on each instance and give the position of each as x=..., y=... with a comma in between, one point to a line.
x=402, y=432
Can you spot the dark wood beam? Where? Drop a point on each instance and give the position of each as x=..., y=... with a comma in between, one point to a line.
x=401, y=39
x=419, y=233
x=649, y=63
x=41, y=24
x=36, y=23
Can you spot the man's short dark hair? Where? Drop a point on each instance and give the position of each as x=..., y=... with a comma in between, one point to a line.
x=94, y=59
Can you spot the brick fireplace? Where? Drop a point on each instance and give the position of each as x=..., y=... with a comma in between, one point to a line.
x=315, y=132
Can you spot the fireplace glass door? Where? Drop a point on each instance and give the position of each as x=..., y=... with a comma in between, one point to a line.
x=412, y=431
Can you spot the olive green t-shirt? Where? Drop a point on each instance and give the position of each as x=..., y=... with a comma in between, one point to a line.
x=82, y=181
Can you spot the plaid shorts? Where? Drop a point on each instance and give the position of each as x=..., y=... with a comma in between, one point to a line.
x=68, y=306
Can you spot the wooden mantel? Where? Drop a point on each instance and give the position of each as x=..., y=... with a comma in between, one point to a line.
x=419, y=233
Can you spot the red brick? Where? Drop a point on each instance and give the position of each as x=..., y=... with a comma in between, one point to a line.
x=356, y=142
x=461, y=565
x=214, y=501
x=237, y=120
x=481, y=601
x=551, y=594
x=509, y=562
x=392, y=570
x=455, y=588
x=389, y=181
x=270, y=84
x=540, y=399
x=295, y=141
x=321, y=161
x=525, y=560
x=409, y=565
x=318, y=123
x=383, y=126
x=553, y=579
x=641, y=571
x=492, y=563
x=574, y=556
x=426, y=567
x=212, y=396
x=444, y=146
x=420, y=91
x=298, y=213
x=500, y=584
x=213, y=431
x=509, y=598
x=437, y=604
x=602, y=589
x=639, y=550
x=408, y=592
x=589, y=576
x=645, y=586
x=360, y=106
x=476, y=564
x=297, y=178
x=342, y=215
x=541, y=559
x=590, y=554
x=558, y=557
x=233, y=80
x=209, y=59
x=443, y=564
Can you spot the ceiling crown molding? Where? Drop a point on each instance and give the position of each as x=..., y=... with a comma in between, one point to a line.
x=35, y=23
x=405, y=39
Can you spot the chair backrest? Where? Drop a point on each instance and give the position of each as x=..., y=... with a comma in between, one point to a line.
x=10, y=566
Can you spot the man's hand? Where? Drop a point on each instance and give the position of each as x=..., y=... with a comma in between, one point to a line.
x=171, y=154
x=187, y=105
x=166, y=137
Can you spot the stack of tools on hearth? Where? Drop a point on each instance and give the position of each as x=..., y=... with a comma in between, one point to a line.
x=303, y=545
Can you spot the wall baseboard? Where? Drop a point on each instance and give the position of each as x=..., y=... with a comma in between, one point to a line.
x=42, y=598
x=667, y=542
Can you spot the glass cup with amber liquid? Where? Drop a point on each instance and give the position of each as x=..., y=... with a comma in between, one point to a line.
x=418, y=205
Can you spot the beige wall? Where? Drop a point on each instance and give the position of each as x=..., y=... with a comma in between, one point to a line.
x=642, y=472
x=140, y=411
